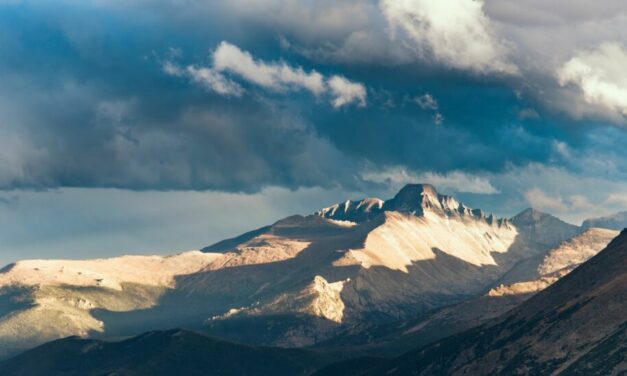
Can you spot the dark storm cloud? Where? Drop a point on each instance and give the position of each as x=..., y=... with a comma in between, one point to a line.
x=85, y=101
x=92, y=107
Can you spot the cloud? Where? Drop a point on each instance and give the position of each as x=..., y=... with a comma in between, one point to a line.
x=528, y=114
x=454, y=180
x=438, y=119
x=538, y=199
x=159, y=138
x=617, y=199
x=278, y=131
x=562, y=149
x=426, y=102
x=346, y=92
x=276, y=76
x=209, y=78
x=600, y=75
x=581, y=203
x=453, y=32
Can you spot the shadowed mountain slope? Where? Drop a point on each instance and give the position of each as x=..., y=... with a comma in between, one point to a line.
x=576, y=326
x=172, y=352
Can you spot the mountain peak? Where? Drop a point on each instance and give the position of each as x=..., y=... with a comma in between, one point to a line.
x=533, y=215
x=536, y=224
x=418, y=188
x=415, y=199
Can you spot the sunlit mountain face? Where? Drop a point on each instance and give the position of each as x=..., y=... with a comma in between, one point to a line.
x=354, y=179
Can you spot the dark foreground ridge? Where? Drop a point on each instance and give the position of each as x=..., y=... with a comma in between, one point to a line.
x=172, y=352
x=578, y=326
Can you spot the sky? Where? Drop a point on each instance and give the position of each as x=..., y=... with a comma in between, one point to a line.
x=158, y=126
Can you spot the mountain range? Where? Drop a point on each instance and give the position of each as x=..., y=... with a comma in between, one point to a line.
x=360, y=278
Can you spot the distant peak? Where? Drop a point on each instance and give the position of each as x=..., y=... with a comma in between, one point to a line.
x=530, y=214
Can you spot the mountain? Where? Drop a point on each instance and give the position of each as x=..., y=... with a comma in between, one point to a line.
x=541, y=228
x=617, y=221
x=160, y=353
x=298, y=282
x=395, y=338
x=577, y=326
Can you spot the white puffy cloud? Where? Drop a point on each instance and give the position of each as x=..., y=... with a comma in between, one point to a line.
x=454, y=32
x=277, y=76
x=214, y=80
x=346, y=92
x=600, y=75
x=208, y=78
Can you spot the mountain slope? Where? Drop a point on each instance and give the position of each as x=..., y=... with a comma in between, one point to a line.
x=541, y=228
x=160, y=353
x=556, y=263
x=576, y=326
x=42, y=300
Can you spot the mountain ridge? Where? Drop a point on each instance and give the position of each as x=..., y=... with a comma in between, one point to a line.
x=323, y=273
x=415, y=199
x=167, y=352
